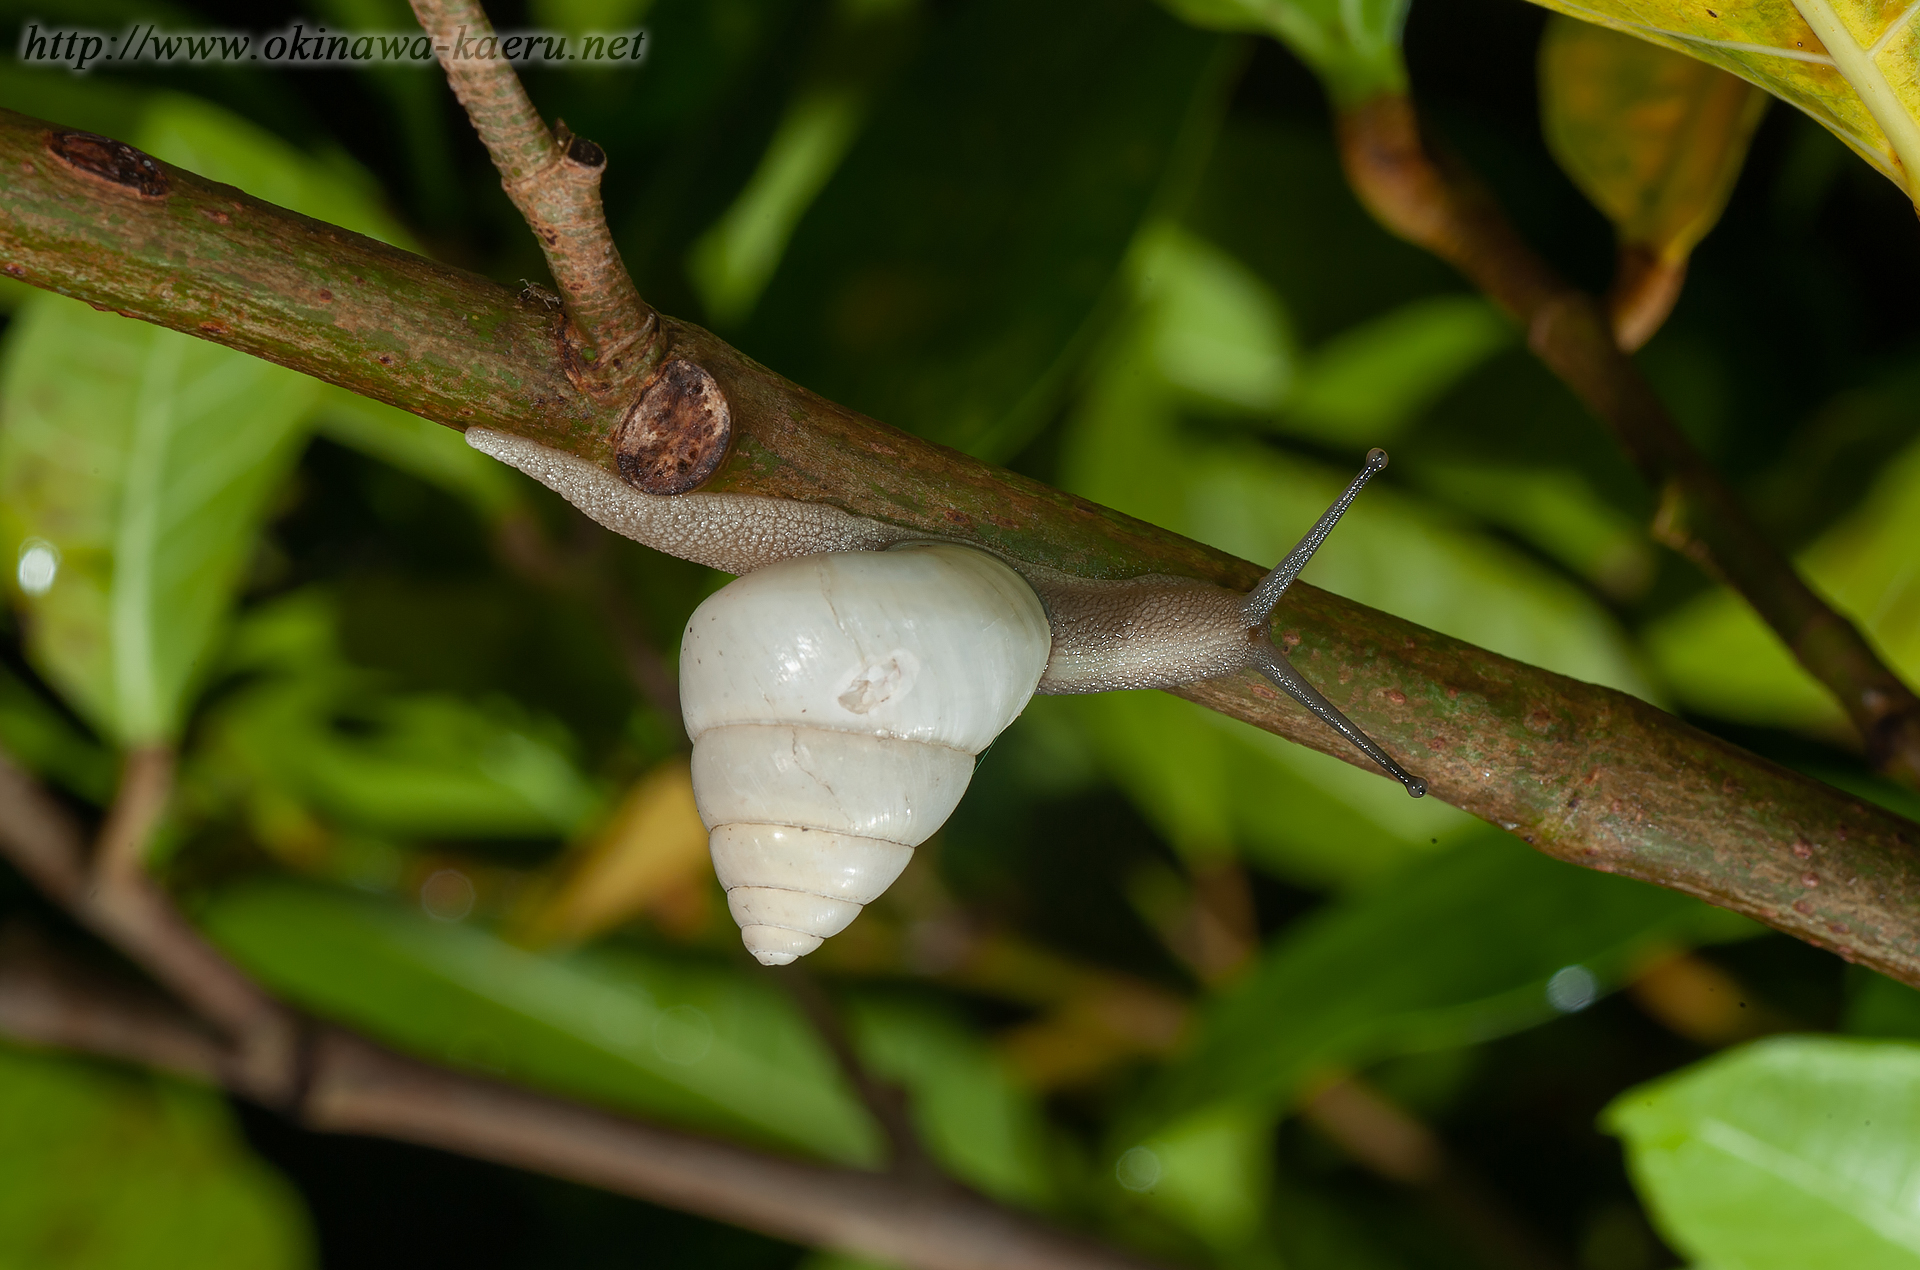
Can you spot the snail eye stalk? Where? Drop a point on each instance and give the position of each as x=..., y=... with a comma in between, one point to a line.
x=1271, y=662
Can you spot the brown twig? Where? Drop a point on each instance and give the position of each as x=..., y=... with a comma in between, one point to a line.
x=1646, y=286
x=356, y=1087
x=888, y=1103
x=1390, y=1142
x=555, y=182
x=1431, y=201
x=336, y=1082
x=48, y=999
x=129, y=912
x=146, y=786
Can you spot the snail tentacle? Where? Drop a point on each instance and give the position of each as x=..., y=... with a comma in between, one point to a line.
x=1272, y=663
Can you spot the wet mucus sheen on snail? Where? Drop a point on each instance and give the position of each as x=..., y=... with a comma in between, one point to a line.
x=838, y=691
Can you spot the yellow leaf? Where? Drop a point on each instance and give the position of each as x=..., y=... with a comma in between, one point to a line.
x=1656, y=140
x=1853, y=65
x=651, y=856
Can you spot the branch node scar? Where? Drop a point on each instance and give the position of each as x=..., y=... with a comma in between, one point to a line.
x=676, y=434
x=115, y=162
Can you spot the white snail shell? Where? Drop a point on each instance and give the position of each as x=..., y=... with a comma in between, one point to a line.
x=836, y=703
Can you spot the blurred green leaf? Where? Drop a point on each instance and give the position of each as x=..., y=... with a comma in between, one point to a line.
x=1558, y=510
x=1368, y=384
x=1354, y=47
x=1455, y=949
x=941, y=279
x=1213, y=785
x=1849, y=65
x=1274, y=197
x=1210, y=1173
x=855, y=53
x=972, y=1117
x=698, y=1046
x=1721, y=660
x=102, y=1169
x=96, y=103
x=1211, y=326
x=413, y=764
x=137, y=462
x=1654, y=138
x=1788, y=1153
x=733, y=262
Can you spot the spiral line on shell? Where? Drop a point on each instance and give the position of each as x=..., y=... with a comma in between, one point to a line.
x=836, y=703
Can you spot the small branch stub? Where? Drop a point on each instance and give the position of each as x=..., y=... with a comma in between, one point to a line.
x=114, y=162
x=676, y=434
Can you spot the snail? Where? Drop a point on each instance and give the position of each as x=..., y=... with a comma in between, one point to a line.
x=838, y=690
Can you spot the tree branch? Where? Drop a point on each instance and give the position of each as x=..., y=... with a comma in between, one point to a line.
x=335, y=1082
x=1581, y=772
x=127, y=910
x=146, y=785
x=889, y=1104
x=1435, y=204
x=556, y=185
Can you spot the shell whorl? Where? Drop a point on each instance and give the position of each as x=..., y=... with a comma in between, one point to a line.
x=836, y=703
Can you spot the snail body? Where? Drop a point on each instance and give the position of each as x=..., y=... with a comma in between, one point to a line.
x=838, y=691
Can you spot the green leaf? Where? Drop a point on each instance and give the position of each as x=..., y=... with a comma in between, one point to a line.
x=1788, y=1153
x=1721, y=660
x=1850, y=64
x=1212, y=328
x=1455, y=949
x=140, y=462
x=1210, y=1173
x=1353, y=47
x=102, y=1169
x=1654, y=138
x=326, y=736
x=581, y=16
x=699, y=1046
